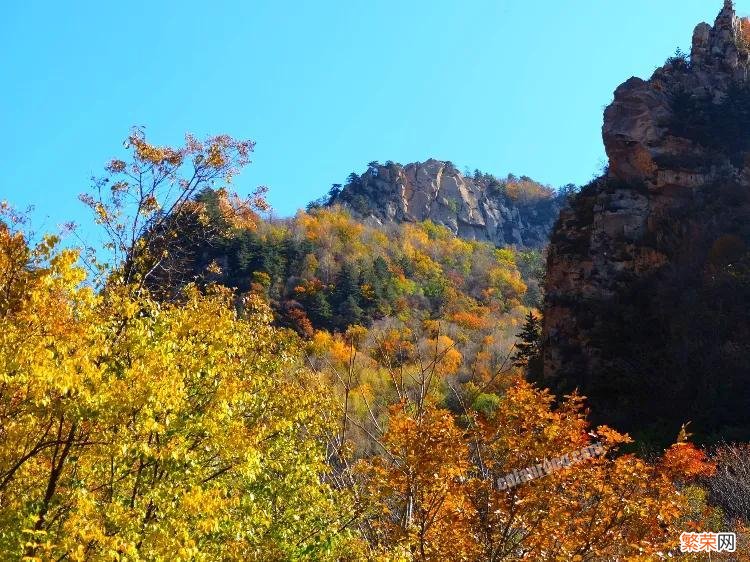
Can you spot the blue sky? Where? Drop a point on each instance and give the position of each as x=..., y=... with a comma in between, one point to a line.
x=322, y=87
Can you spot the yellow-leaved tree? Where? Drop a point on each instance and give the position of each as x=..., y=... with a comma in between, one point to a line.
x=139, y=429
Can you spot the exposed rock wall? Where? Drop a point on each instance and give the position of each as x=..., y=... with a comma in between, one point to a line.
x=646, y=288
x=473, y=208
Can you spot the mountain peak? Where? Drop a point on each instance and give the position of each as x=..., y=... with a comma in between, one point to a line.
x=723, y=47
x=478, y=206
x=638, y=132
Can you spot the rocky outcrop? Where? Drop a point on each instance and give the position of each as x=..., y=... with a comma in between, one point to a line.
x=513, y=211
x=636, y=129
x=648, y=269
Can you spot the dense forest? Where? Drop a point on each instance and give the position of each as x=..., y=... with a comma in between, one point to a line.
x=213, y=384
x=324, y=269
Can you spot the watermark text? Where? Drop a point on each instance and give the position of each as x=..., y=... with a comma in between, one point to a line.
x=548, y=466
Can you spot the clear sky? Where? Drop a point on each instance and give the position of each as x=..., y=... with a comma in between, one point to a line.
x=323, y=87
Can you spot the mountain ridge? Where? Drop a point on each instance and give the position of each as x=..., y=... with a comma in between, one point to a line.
x=503, y=211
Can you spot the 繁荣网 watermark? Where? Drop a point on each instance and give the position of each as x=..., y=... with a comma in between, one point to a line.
x=549, y=466
x=708, y=542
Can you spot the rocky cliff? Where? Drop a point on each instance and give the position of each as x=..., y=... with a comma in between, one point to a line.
x=647, y=291
x=511, y=211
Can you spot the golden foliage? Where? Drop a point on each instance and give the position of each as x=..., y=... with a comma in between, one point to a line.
x=416, y=490
x=131, y=429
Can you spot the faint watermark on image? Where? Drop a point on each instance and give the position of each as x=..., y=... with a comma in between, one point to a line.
x=548, y=466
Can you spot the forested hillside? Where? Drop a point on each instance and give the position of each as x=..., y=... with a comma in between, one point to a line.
x=216, y=386
x=325, y=269
x=424, y=362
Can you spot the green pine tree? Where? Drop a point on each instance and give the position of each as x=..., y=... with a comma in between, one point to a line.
x=528, y=346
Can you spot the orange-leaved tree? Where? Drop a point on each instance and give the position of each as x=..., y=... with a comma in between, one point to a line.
x=440, y=492
x=419, y=500
x=614, y=506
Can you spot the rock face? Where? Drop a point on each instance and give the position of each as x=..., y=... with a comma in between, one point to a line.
x=509, y=212
x=636, y=129
x=647, y=283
